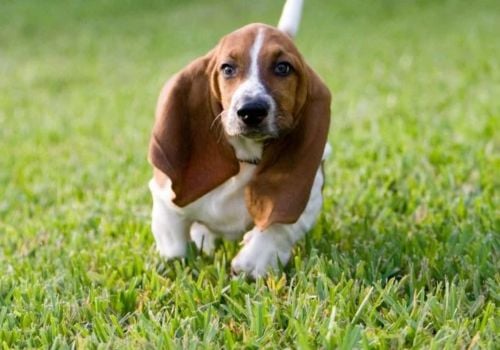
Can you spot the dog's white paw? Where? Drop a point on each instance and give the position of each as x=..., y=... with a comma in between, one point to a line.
x=171, y=250
x=203, y=238
x=261, y=253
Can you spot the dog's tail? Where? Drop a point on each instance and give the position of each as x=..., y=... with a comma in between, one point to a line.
x=290, y=17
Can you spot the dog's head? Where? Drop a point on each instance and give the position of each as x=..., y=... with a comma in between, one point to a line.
x=253, y=84
x=260, y=80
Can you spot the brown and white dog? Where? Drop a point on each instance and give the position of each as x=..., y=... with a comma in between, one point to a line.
x=237, y=146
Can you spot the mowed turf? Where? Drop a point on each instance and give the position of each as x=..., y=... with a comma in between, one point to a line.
x=404, y=255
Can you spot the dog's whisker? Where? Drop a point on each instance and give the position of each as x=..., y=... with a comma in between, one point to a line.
x=219, y=116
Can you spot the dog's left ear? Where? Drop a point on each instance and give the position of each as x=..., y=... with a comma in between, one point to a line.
x=282, y=184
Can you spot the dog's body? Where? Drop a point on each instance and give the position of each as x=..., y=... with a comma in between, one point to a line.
x=237, y=145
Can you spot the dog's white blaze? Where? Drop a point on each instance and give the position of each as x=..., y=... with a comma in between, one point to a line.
x=247, y=148
x=253, y=76
x=252, y=87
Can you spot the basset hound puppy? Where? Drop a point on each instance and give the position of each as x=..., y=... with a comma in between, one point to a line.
x=237, y=146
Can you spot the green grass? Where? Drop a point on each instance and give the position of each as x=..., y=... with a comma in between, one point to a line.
x=405, y=254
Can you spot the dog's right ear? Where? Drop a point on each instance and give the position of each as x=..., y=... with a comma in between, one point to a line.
x=187, y=143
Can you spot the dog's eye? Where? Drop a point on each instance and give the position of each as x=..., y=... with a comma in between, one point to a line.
x=282, y=69
x=228, y=70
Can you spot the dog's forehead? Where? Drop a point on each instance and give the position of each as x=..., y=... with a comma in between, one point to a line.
x=241, y=41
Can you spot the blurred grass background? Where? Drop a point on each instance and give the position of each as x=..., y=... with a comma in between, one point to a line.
x=404, y=255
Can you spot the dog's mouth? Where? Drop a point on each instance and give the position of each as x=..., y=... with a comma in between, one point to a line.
x=235, y=127
x=257, y=134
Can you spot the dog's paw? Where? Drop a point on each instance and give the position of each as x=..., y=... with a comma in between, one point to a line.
x=203, y=238
x=171, y=251
x=261, y=253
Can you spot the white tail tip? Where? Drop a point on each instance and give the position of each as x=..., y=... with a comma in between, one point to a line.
x=290, y=17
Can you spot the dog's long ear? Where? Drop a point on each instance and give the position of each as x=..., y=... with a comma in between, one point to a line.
x=280, y=189
x=187, y=143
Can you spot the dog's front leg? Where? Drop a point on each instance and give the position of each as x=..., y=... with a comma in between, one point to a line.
x=170, y=228
x=262, y=249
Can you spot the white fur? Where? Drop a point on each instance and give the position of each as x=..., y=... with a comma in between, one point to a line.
x=252, y=87
x=222, y=212
x=246, y=149
x=290, y=17
x=203, y=238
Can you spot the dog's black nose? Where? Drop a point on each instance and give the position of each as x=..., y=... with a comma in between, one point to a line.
x=253, y=112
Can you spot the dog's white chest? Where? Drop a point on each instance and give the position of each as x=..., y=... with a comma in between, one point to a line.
x=222, y=210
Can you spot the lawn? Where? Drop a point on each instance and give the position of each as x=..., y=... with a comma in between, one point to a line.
x=404, y=255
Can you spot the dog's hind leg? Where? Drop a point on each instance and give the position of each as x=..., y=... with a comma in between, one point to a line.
x=203, y=238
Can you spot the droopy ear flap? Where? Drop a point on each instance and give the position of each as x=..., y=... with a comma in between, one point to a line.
x=282, y=184
x=186, y=143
